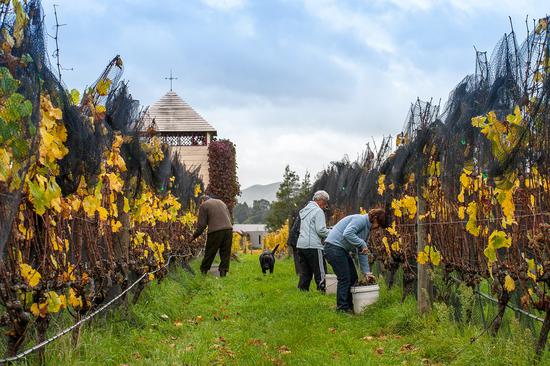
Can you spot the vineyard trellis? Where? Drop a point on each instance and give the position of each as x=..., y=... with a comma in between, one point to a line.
x=475, y=176
x=87, y=205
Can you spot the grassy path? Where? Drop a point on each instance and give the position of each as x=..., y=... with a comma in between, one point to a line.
x=251, y=319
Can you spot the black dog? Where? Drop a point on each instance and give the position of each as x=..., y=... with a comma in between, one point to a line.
x=267, y=260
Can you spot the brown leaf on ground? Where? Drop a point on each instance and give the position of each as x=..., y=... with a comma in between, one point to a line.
x=173, y=338
x=189, y=348
x=284, y=350
x=178, y=323
x=164, y=317
x=367, y=338
x=379, y=351
x=332, y=330
x=137, y=355
x=407, y=348
x=172, y=345
x=256, y=342
x=277, y=361
x=196, y=320
x=220, y=339
x=335, y=355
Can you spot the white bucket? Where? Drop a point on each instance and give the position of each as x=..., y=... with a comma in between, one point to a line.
x=364, y=296
x=330, y=283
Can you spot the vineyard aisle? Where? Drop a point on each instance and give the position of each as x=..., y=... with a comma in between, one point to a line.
x=251, y=319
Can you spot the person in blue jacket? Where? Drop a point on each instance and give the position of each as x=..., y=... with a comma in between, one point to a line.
x=351, y=234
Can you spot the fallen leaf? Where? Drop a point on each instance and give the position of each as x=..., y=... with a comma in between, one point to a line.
x=178, y=323
x=407, y=348
x=284, y=350
x=367, y=338
x=332, y=330
x=335, y=355
x=173, y=338
x=164, y=317
x=379, y=351
x=172, y=345
x=189, y=348
x=137, y=356
x=256, y=342
x=278, y=362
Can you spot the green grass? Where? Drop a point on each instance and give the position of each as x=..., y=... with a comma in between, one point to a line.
x=251, y=319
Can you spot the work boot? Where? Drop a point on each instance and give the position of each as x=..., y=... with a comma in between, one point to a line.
x=223, y=273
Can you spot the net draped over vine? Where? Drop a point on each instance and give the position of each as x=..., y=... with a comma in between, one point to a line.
x=474, y=173
x=86, y=204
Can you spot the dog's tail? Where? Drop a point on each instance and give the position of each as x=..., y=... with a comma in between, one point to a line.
x=275, y=249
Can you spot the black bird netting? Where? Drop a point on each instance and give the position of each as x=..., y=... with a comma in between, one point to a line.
x=87, y=204
x=467, y=188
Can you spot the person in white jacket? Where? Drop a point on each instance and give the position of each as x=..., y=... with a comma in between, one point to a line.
x=313, y=229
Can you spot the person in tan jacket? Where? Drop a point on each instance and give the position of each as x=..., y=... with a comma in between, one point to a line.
x=214, y=214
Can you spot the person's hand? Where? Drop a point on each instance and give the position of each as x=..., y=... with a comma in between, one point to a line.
x=369, y=278
x=365, y=250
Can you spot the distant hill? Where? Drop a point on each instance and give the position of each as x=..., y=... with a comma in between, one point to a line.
x=258, y=192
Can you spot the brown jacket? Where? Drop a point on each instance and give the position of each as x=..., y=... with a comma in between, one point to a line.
x=214, y=214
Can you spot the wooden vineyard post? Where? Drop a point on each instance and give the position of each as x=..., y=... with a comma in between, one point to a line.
x=424, y=283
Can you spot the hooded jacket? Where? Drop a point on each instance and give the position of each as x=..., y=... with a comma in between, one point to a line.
x=313, y=227
x=352, y=234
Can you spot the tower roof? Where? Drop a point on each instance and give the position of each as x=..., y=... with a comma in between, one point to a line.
x=173, y=114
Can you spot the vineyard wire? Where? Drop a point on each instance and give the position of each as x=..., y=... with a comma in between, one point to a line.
x=466, y=221
x=490, y=298
x=87, y=317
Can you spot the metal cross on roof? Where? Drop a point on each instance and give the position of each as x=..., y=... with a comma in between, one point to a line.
x=171, y=78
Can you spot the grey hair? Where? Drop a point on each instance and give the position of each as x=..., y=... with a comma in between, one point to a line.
x=321, y=195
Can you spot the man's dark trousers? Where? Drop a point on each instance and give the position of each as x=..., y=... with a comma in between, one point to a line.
x=218, y=241
x=344, y=268
x=312, y=264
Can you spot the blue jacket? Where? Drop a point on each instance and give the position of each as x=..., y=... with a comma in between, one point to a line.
x=352, y=234
x=313, y=227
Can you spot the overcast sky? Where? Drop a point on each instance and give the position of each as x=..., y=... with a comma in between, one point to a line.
x=298, y=82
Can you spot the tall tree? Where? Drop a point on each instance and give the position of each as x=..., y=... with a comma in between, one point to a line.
x=285, y=204
x=241, y=212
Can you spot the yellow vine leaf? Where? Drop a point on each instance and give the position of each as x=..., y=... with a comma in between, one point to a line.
x=395, y=246
x=497, y=240
x=386, y=244
x=381, y=185
x=422, y=257
x=471, y=226
x=391, y=229
x=532, y=269
x=103, y=86
x=75, y=301
x=90, y=205
x=21, y=21
x=126, y=207
x=5, y=161
x=461, y=212
x=29, y=274
x=115, y=226
x=509, y=284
